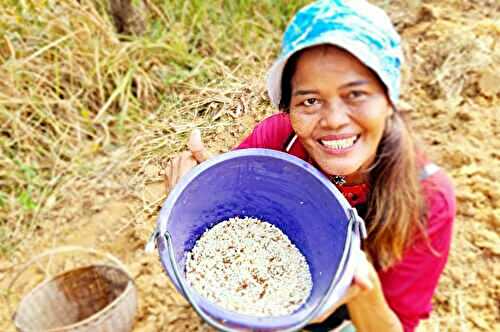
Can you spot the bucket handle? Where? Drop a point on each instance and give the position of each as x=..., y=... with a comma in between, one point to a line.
x=60, y=250
x=220, y=326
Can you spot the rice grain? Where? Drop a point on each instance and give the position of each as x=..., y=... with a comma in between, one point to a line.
x=249, y=266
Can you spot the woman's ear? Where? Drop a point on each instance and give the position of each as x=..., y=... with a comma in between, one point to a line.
x=391, y=109
x=389, y=115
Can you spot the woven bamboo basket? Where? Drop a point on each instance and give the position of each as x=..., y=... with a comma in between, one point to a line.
x=97, y=298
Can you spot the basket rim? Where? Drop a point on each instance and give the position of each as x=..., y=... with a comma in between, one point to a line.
x=131, y=286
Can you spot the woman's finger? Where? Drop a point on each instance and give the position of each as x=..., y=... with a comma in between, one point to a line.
x=166, y=175
x=351, y=293
x=197, y=147
x=178, y=167
x=185, y=163
x=173, y=172
x=362, y=279
x=362, y=273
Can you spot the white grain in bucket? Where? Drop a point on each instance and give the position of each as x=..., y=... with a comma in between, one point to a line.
x=249, y=266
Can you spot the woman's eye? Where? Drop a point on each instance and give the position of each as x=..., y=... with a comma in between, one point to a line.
x=356, y=95
x=310, y=102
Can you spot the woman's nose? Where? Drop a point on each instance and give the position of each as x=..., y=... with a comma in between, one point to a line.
x=335, y=115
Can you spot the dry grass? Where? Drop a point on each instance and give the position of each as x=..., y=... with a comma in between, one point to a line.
x=88, y=115
x=73, y=92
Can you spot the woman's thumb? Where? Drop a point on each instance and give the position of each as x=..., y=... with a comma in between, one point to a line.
x=196, y=146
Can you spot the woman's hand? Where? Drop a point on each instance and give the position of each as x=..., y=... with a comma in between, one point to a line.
x=368, y=309
x=364, y=284
x=186, y=160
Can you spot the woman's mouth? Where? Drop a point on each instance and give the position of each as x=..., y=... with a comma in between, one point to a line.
x=339, y=145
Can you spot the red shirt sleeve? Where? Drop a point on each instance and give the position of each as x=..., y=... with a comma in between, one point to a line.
x=410, y=284
x=273, y=133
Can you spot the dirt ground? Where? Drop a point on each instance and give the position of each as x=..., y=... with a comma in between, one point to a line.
x=452, y=92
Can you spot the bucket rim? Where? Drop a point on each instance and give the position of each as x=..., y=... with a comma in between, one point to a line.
x=164, y=215
x=162, y=221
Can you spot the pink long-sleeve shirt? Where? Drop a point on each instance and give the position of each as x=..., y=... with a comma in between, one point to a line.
x=410, y=284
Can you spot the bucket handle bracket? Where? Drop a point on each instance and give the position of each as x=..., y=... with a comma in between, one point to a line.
x=358, y=223
x=151, y=245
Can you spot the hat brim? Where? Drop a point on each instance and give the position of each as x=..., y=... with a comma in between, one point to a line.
x=357, y=49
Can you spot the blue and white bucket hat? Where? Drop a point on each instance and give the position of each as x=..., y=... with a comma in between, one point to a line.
x=357, y=26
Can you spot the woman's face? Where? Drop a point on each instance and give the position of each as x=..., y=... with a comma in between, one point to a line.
x=338, y=110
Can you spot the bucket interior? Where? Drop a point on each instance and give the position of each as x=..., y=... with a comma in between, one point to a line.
x=272, y=187
x=70, y=297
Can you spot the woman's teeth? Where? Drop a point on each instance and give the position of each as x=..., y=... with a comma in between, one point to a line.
x=340, y=143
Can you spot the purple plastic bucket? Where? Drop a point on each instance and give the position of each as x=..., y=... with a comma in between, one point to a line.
x=275, y=187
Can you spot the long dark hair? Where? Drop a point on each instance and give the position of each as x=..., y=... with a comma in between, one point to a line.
x=396, y=208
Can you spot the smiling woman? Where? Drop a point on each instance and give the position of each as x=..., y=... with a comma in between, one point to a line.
x=338, y=108
x=336, y=84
